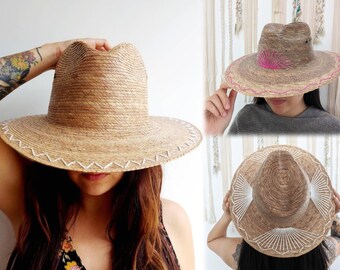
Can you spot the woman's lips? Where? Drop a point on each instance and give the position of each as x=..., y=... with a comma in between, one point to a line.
x=277, y=101
x=94, y=176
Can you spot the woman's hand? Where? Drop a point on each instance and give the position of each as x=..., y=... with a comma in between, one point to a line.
x=58, y=48
x=219, y=110
x=226, y=247
x=19, y=68
x=226, y=205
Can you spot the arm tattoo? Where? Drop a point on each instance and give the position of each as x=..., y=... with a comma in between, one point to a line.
x=14, y=69
x=37, y=49
x=236, y=255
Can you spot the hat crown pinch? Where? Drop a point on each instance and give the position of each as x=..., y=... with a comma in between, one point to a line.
x=281, y=189
x=99, y=90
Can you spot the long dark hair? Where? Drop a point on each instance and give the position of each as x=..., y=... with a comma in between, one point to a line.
x=51, y=199
x=311, y=98
x=251, y=259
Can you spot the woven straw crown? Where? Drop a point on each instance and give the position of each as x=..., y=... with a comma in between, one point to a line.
x=281, y=201
x=98, y=118
x=97, y=92
x=285, y=64
x=282, y=47
x=281, y=189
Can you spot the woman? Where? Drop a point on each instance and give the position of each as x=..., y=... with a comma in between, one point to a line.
x=81, y=185
x=277, y=209
x=285, y=73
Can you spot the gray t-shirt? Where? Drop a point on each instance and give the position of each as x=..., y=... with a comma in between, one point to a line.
x=259, y=119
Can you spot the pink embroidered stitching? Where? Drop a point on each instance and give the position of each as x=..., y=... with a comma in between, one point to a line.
x=273, y=60
x=289, y=91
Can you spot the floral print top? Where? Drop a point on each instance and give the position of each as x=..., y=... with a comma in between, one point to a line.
x=69, y=259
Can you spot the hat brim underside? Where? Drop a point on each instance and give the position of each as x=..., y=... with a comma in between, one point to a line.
x=300, y=236
x=245, y=76
x=161, y=140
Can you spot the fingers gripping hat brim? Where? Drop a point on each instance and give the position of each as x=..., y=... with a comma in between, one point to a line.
x=297, y=236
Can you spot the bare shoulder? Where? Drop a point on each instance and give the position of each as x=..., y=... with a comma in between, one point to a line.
x=176, y=220
x=177, y=224
x=173, y=213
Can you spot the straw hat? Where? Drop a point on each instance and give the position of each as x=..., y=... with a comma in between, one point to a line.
x=281, y=201
x=285, y=64
x=98, y=118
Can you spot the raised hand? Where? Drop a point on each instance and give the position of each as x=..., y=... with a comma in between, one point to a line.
x=219, y=110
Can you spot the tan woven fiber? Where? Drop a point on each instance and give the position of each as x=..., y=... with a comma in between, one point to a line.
x=285, y=64
x=282, y=201
x=98, y=118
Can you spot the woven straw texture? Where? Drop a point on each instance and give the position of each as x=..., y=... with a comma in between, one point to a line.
x=281, y=201
x=98, y=117
x=285, y=64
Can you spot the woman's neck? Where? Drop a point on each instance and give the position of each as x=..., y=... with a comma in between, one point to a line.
x=96, y=205
x=93, y=215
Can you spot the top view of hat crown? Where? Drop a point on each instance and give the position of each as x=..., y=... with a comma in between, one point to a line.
x=281, y=189
x=281, y=201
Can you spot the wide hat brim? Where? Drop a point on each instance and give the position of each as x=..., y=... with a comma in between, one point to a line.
x=245, y=76
x=302, y=234
x=158, y=141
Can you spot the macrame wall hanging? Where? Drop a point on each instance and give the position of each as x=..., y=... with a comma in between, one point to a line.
x=327, y=152
x=296, y=11
x=226, y=163
x=292, y=140
x=210, y=48
x=250, y=26
x=209, y=210
x=319, y=30
x=334, y=87
x=216, y=156
x=250, y=9
x=279, y=10
x=239, y=19
x=260, y=141
x=248, y=146
x=230, y=30
x=219, y=46
x=311, y=144
x=311, y=12
x=210, y=87
x=222, y=143
x=223, y=38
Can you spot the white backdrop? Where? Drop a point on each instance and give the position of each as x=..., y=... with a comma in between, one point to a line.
x=169, y=36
